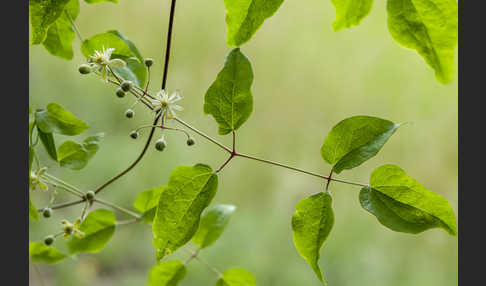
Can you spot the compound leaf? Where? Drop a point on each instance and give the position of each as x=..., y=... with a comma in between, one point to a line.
x=350, y=12
x=236, y=277
x=56, y=119
x=75, y=155
x=47, y=140
x=167, y=273
x=244, y=18
x=430, y=27
x=43, y=13
x=229, y=99
x=213, y=222
x=402, y=204
x=60, y=36
x=41, y=253
x=147, y=202
x=189, y=192
x=311, y=224
x=98, y=228
x=354, y=140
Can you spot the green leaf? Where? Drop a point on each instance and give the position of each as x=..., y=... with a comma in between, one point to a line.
x=60, y=36
x=354, y=140
x=213, y=222
x=98, y=227
x=236, y=277
x=244, y=18
x=168, y=273
x=75, y=155
x=47, y=140
x=430, y=27
x=229, y=99
x=41, y=253
x=311, y=224
x=99, y=1
x=126, y=50
x=402, y=204
x=33, y=214
x=147, y=202
x=350, y=12
x=56, y=119
x=43, y=13
x=189, y=192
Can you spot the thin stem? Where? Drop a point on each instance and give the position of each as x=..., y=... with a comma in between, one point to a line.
x=128, y=221
x=298, y=170
x=234, y=140
x=203, y=135
x=137, y=216
x=168, y=43
x=104, y=185
x=41, y=279
x=64, y=188
x=216, y=271
x=64, y=205
x=63, y=183
x=225, y=163
x=75, y=28
x=193, y=255
x=329, y=179
x=164, y=80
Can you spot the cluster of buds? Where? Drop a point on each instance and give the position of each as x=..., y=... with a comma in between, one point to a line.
x=163, y=104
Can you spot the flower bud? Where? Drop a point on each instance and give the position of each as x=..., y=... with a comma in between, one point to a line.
x=126, y=85
x=84, y=69
x=134, y=134
x=90, y=195
x=190, y=141
x=49, y=240
x=120, y=93
x=160, y=144
x=47, y=212
x=149, y=62
x=129, y=113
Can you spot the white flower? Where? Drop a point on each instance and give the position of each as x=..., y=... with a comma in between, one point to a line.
x=100, y=62
x=164, y=102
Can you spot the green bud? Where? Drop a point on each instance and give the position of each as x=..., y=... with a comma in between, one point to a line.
x=126, y=85
x=84, y=69
x=129, y=113
x=90, y=195
x=49, y=240
x=190, y=141
x=160, y=144
x=149, y=62
x=120, y=93
x=47, y=212
x=134, y=134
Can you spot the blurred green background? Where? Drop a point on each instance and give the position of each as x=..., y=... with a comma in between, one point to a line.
x=307, y=79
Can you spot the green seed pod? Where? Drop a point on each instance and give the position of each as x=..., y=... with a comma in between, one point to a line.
x=84, y=69
x=120, y=93
x=129, y=113
x=90, y=195
x=49, y=240
x=160, y=144
x=190, y=141
x=126, y=85
x=149, y=62
x=47, y=212
x=134, y=134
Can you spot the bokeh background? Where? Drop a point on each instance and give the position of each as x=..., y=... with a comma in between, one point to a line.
x=307, y=79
